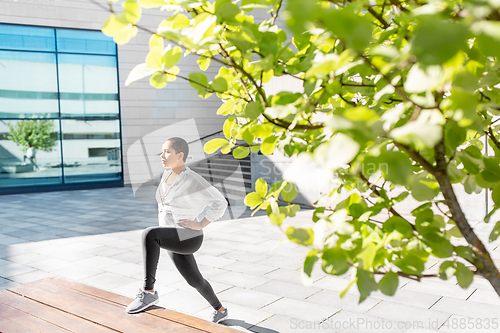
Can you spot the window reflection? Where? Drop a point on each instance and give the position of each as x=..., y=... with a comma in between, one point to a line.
x=17, y=165
x=31, y=87
x=91, y=150
x=88, y=86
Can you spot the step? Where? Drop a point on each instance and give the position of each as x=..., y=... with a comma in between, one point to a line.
x=59, y=305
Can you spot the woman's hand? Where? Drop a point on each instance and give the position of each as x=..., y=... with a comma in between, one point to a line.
x=191, y=224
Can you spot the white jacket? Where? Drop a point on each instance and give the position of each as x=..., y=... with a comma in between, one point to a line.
x=186, y=198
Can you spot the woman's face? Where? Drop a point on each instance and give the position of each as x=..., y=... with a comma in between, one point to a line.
x=168, y=156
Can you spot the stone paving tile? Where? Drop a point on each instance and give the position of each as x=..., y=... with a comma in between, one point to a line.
x=213, y=261
x=50, y=265
x=133, y=257
x=31, y=276
x=247, y=297
x=402, y=312
x=100, y=262
x=349, y=322
x=244, y=256
x=287, y=289
x=240, y=280
x=467, y=308
x=301, y=309
x=285, y=324
x=183, y=301
x=106, y=250
x=126, y=269
x=349, y=302
x=249, y=268
x=77, y=272
x=216, y=286
x=239, y=316
x=437, y=288
x=485, y=296
x=107, y=281
x=409, y=297
x=11, y=269
x=463, y=324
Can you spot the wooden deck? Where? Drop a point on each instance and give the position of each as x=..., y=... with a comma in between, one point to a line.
x=55, y=305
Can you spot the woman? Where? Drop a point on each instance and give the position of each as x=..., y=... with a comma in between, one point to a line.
x=182, y=195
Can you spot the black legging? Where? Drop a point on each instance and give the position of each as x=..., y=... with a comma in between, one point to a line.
x=181, y=252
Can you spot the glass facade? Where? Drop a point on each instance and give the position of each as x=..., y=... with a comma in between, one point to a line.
x=59, y=95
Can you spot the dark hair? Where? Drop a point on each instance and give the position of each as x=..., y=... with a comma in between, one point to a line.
x=180, y=146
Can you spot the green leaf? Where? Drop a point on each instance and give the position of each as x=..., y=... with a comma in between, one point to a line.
x=495, y=232
x=253, y=110
x=261, y=187
x=114, y=25
x=424, y=187
x=214, y=144
x=269, y=145
x=289, y=192
x=344, y=292
x=227, y=12
x=277, y=219
x=153, y=59
x=389, y=283
x=433, y=48
x=219, y=84
x=491, y=171
x=465, y=252
x=228, y=126
x=171, y=57
x=411, y=264
x=447, y=270
x=199, y=82
x=151, y=3
x=252, y=200
x=301, y=236
x=156, y=40
x=309, y=262
x=346, y=25
x=366, y=256
x=203, y=62
x=335, y=261
x=397, y=228
x=241, y=152
x=366, y=283
x=159, y=80
x=441, y=247
x=132, y=11
x=495, y=194
x=464, y=275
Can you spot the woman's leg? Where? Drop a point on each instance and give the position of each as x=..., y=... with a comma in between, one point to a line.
x=156, y=238
x=186, y=264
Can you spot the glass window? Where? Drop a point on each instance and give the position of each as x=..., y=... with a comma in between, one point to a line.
x=88, y=86
x=91, y=150
x=78, y=41
x=21, y=167
x=63, y=102
x=14, y=37
x=29, y=85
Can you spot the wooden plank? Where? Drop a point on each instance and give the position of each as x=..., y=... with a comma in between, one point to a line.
x=51, y=315
x=96, y=310
x=14, y=320
x=123, y=301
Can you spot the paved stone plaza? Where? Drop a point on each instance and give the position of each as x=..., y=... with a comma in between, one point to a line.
x=93, y=237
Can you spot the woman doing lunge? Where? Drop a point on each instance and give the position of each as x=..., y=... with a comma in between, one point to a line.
x=182, y=195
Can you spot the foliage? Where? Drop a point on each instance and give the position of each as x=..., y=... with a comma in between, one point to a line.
x=39, y=134
x=408, y=90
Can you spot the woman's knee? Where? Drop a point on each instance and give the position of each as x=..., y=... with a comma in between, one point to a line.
x=149, y=233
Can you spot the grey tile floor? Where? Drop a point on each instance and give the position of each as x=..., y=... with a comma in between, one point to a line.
x=93, y=237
